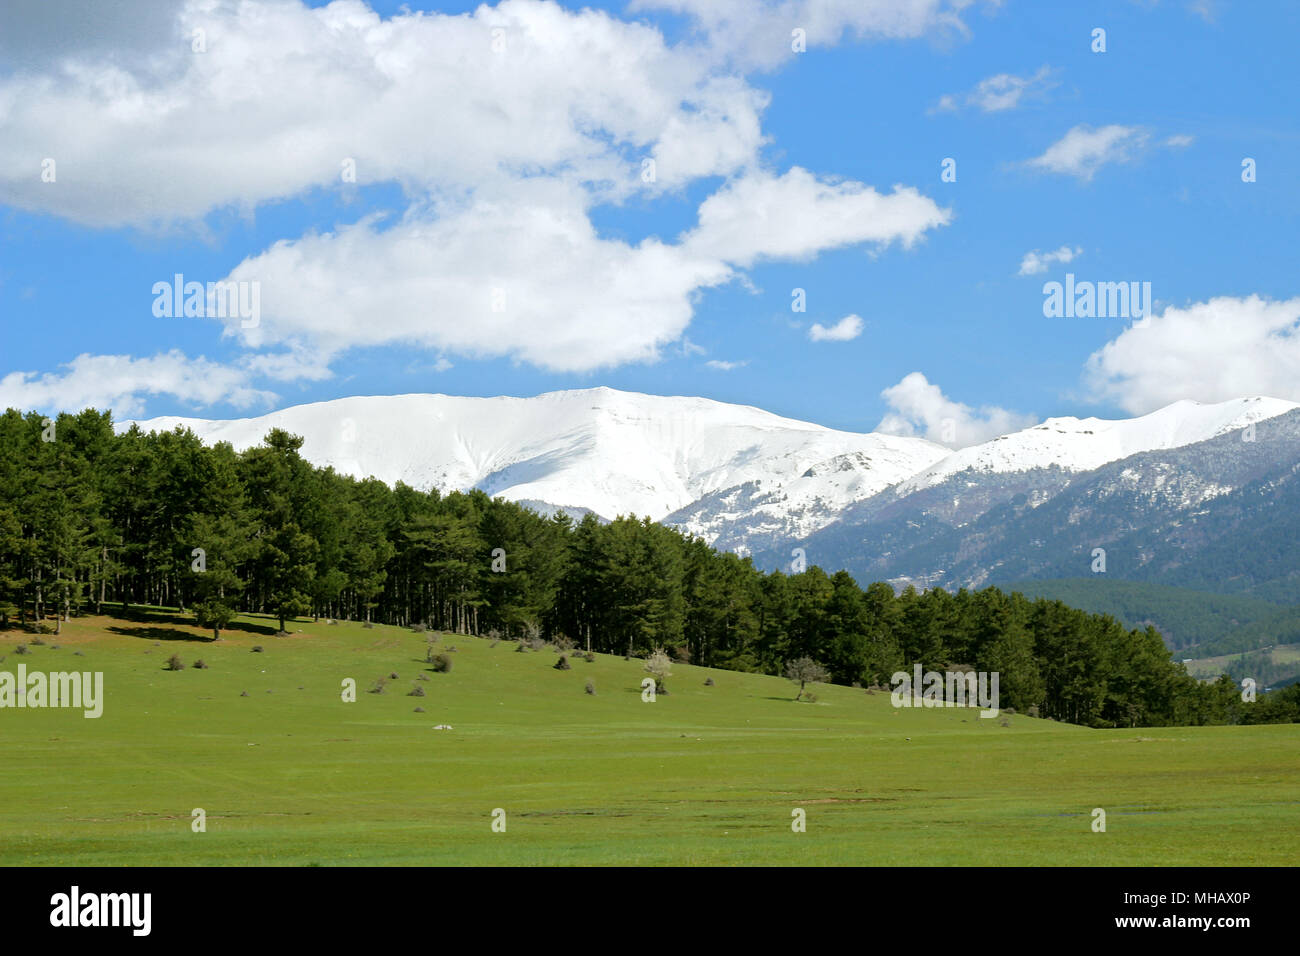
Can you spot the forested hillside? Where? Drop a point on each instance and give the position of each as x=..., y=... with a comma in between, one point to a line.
x=90, y=519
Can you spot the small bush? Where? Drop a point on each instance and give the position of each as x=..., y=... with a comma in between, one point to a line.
x=589, y=657
x=200, y=665
x=243, y=694
x=37, y=642
x=419, y=710
x=1008, y=710
x=419, y=628
x=452, y=649
x=1004, y=722
x=562, y=664
x=368, y=626
x=74, y=654
x=257, y=649
x=331, y=623
x=393, y=676
x=563, y=643
x=44, y=628
x=379, y=686
x=441, y=663
x=536, y=643
x=1033, y=710
x=591, y=688
x=422, y=676
x=521, y=647
x=20, y=649
x=431, y=639
x=708, y=682
x=810, y=697
x=416, y=691
x=55, y=647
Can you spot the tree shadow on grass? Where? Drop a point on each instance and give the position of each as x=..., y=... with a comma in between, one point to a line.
x=185, y=620
x=160, y=634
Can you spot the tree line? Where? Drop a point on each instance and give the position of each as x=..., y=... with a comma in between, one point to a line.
x=91, y=520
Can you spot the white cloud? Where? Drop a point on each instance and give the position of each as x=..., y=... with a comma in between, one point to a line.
x=525, y=274
x=1002, y=92
x=724, y=366
x=1084, y=150
x=797, y=215
x=119, y=382
x=846, y=329
x=285, y=94
x=757, y=33
x=1179, y=141
x=1036, y=262
x=920, y=408
x=1209, y=351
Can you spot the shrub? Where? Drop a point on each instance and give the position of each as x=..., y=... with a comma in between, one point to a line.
x=200, y=665
x=536, y=643
x=659, y=666
x=431, y=639
x=1004, y=722
x=521, y=647
x=55, y=647
x=451, y=649
x=1008, y=710
x=422, y=676
x=379, y=686
x=563, y=643
x=37, y=642
x=416, y=691
x=562, y=664
x=708, y=682
x=418, y=628
x=74, y=654
x=393, y=676
x=368, y=626
x=591, y=688
x=44, y=628
x=257, y=648
x=174, y=663
x=441, y=663
x=1033, y=710
x=243, y=693
x=419, y=710
x=589, y=657
x=20, y=649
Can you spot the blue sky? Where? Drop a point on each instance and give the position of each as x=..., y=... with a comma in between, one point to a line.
x=522, y=168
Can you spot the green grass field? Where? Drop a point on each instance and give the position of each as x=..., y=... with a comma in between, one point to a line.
x=293, y=775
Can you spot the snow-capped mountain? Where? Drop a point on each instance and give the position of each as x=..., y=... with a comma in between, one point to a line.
x=742, y=478
x=1082, y=444
x=753, y=518
x=598, y=449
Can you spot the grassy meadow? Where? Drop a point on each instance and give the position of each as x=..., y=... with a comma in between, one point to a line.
x=292, y=775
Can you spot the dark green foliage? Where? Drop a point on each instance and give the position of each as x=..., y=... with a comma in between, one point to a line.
x=174, y=663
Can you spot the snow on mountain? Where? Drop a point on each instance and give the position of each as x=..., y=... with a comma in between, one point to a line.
x=749, y=517
x=742, y=478
x=1082, y=444
x=608, y=451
